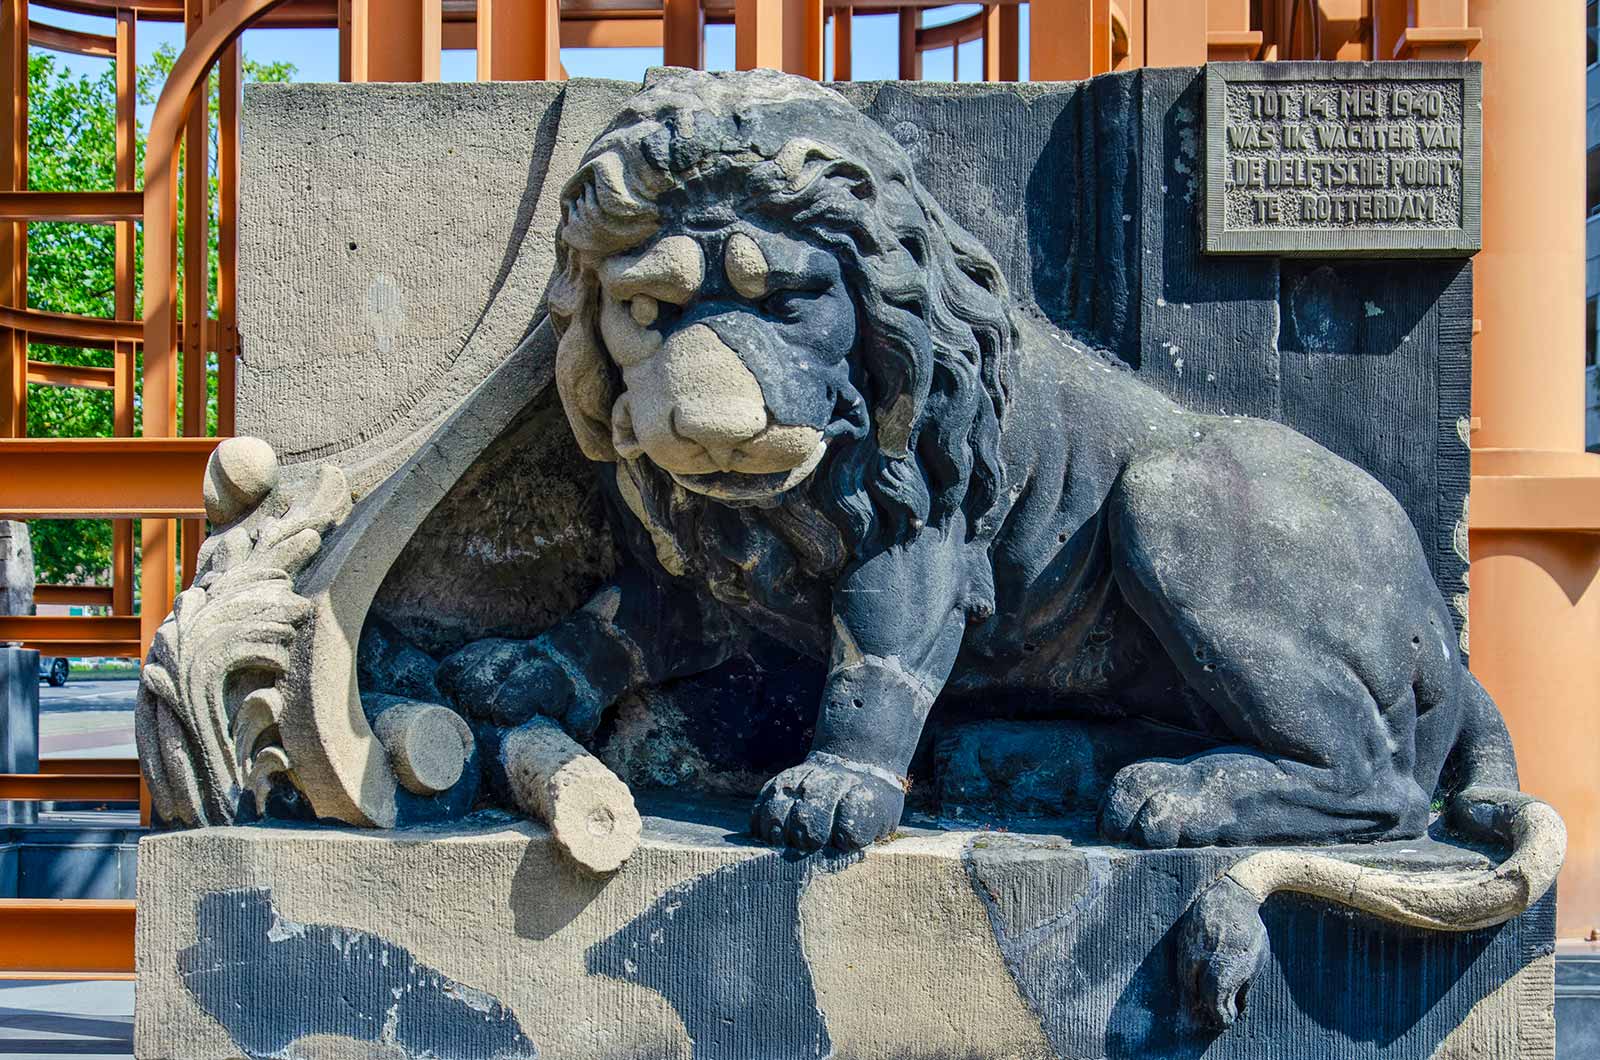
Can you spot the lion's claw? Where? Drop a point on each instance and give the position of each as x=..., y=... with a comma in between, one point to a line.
x=826, y=801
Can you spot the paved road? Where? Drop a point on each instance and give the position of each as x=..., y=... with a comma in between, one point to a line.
x=87, y=719
x=87, y=695
x=83, y=1020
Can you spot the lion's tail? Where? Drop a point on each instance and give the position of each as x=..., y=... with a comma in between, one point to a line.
x=1224, y=941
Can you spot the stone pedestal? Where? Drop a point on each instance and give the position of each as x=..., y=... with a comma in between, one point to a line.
x=481, y=941
x=19, y=723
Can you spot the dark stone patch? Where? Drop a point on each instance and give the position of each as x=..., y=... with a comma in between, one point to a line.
x=724, y=949
x=270, y=981
x=1088, y=935
x=520, y=541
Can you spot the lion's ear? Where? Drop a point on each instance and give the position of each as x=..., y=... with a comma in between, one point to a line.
x=583, y=379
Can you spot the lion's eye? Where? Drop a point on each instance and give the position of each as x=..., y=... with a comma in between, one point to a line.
x=644, y=310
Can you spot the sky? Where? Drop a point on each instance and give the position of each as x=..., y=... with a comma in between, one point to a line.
x=315, y=52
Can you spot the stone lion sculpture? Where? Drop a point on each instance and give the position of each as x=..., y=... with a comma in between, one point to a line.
x=834, y=428
x=809, y=392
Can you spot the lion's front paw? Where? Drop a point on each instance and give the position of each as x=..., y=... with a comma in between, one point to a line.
x=507, y=682
x=1159, y=805
x=827, y=799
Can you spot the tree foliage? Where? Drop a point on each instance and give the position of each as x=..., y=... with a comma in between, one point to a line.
x=71, y=267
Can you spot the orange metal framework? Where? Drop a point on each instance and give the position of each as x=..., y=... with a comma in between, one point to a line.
x=155, y=477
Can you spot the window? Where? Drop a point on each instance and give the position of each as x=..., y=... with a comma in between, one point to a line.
x=1594, y=52
x=1594, y=179
x=1589, y=340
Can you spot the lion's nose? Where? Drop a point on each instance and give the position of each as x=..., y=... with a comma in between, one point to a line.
x=691, y=407
x=719, y=431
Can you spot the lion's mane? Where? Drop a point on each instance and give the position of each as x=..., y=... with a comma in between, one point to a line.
x=936, y=335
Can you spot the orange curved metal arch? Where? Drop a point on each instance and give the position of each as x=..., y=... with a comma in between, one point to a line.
x=951, y=34
x=199, y=55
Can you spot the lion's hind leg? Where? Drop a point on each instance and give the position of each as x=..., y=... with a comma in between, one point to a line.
x=1289, y=590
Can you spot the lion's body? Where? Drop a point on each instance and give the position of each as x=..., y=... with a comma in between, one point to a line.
x=822, y=418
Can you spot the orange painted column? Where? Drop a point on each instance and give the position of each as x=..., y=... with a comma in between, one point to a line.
x=1174, y=33
x=683, y=34
x=843, y=43
x=758, y=34
x=1068, y=40
x=1535, y=510
x=804, y=23
x=394, y=40
x=1228, y=33
x=518, y=40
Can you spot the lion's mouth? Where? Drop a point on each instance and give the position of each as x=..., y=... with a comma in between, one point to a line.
x=737, y=486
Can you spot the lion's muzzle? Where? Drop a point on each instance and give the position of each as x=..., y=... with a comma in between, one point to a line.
x=697, y=411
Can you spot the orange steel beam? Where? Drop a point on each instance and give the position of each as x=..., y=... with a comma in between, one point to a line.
x=73, y=41
x=196, y=270
x=843, y=43
x=1346, y=27
x=70, y=327
x=1175, y=32
x=58, y=629
x=604, y=33
x=103, y=478
x=106, y=767
x=951, y=34
x=76, y=376
x=66, y=938
x=230, y=76
x=95, y=649
x=519, y=40
x=124, y=359
x=87, y=595
x=83, y=206
x=13, y=236
x=1127, y=34
x=683, y=34
x=1438, y=29
x=68, y=787
x=1389, y=20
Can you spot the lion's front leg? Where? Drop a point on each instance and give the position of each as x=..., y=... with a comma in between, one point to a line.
x=898, y=625
x=632, y=633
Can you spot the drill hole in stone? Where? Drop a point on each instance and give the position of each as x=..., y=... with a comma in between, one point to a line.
x=602, y=822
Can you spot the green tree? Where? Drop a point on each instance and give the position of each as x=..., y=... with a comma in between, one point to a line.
x=71, y=267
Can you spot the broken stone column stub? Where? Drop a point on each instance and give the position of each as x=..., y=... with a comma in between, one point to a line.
x=428, y=744
x=588, y=809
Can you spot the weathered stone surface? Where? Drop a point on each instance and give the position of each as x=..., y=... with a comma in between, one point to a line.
x=394, y=247
x=16, y=568
x=480, y=941
x=1313, y=160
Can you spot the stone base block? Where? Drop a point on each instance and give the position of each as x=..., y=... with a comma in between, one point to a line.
x=481, y=941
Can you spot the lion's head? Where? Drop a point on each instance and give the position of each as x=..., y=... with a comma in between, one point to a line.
x=754, y=293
